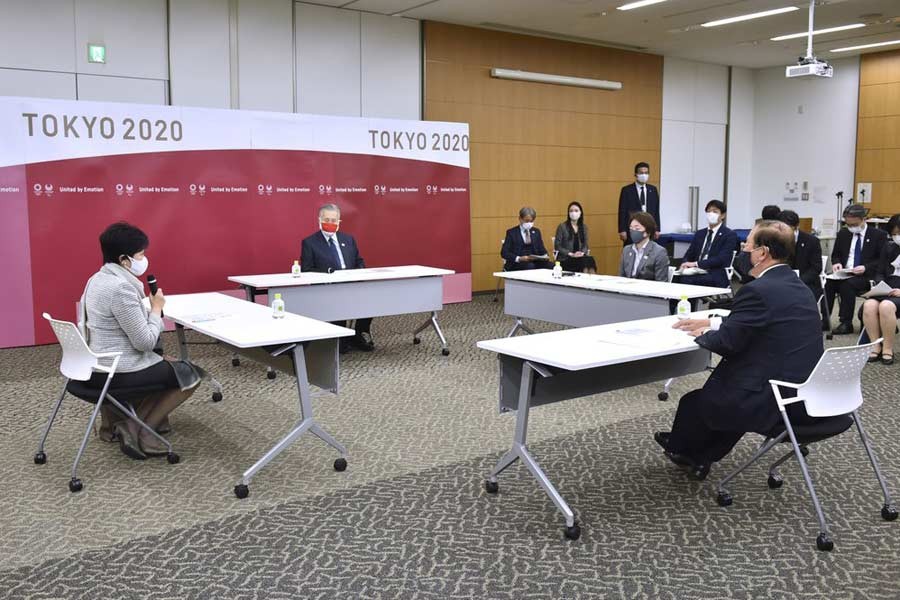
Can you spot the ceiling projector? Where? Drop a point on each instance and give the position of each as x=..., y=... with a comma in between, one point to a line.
x=809, y=67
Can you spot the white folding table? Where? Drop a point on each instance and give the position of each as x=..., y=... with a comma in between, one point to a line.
x=583, y=300
x=358, y=293
x=303, y=347
x=562, y=365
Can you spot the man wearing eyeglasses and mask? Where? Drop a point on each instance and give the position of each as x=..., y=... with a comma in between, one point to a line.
x=772, y=332
x=329, y=250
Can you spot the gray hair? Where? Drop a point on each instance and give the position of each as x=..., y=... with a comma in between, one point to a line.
x=527, y=211
x=325, y=207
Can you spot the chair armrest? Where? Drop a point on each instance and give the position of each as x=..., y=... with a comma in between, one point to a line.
x=106, y=354
x=786, y=384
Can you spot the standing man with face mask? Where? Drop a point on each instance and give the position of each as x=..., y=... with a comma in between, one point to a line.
x=329, y=250
x=858, y=248
x=772, y=332
x=636, y=197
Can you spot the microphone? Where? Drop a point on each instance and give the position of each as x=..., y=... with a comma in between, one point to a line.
x=151, y=283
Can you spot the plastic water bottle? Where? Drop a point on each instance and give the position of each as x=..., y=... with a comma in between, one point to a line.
x=277, y=307
x=557, y=270
x=684, y=308
x=295, y=270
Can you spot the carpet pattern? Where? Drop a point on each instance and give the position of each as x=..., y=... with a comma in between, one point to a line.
x=410, y=518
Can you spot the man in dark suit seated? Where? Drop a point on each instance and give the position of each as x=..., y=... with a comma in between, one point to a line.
x=329, y=250
x=712, y=249
x=773, y=332
x=636, y=197
x=807, y=253
x=857, y=247
x=523, y=244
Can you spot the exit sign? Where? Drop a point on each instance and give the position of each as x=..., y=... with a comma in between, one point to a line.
x=96, y=53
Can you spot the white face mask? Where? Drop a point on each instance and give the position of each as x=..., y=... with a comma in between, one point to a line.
x=855, y=229
x=139, y=266
x=896, y=239
x=643, y=177
x=575, y=215
x=712, y=217
x=527, y=226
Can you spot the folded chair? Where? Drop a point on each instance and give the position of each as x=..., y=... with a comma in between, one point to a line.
x=833, y=394
x=78, y=363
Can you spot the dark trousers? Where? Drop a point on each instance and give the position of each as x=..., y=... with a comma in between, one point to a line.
x=527, y=266
x=361, y=326
x=692, y=437
x=847, y=290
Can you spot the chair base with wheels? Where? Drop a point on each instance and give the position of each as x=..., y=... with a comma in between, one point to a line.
x=831, y=389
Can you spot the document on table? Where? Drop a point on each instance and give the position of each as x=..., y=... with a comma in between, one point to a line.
x=879, y=291
x=205, y=317
x=541, y=257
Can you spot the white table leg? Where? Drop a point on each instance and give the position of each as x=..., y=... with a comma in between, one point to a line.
x=433, y=323
x=519, y=324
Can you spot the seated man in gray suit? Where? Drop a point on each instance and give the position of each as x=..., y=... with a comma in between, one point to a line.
x=643, y=258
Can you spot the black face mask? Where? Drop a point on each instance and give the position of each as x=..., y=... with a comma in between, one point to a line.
x=742, y=264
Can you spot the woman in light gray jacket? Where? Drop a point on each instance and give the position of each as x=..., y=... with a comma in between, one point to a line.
x=643, y=258
x=571, y=243
x=116, y=320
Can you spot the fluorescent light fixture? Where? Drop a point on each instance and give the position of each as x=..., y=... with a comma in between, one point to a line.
x=864, y=46
x=599, y=84
x=804, y=34
x=639, y=4
x=757, y=15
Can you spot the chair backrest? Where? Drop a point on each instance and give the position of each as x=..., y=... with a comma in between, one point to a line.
x=822, y=274
x=671, y=273
x=835, y=385
x=729, y=270
x=78, y=361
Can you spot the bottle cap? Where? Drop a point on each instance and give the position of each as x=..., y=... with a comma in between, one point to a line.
x=296, y=262
x=278, y=296
x=557, y=262
x=683, y=297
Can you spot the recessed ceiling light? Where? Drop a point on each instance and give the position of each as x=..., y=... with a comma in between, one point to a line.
x=757, y=15
x=638, y=4
x=803, y=34
x=848, y=48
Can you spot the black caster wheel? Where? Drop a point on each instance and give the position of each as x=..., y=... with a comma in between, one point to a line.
x=75, y=485
x=235, y=362
x=724, y=499
x=663, y=396
x=775, y=482
x=340, y=464
x=416, y=341
x=888, y=512
x=217, y=397
x=491, y=487
x=804, y=451
x=573, y=532
x=241, y=491
x=270, y=374
x=173, y=458
x=829, y=337
x=446, y=351
x=824, y=543
x=40, y=458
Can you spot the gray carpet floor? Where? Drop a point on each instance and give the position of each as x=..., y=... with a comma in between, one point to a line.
x=410, y=518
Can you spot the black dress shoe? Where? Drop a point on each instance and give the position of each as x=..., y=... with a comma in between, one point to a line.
x=843, y=329
x=363, y=341
x=887, y=359
x=696, y=471
x=662, y=438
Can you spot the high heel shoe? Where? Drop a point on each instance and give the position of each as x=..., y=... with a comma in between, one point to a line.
x=128, y=441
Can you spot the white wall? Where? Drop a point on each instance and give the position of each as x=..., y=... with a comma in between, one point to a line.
x=695, y=114
x=742, y=210
x=805, y=130
x=278, y=55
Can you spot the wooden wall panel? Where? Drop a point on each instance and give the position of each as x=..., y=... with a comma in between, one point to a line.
x=878, y=130
x=543, y=145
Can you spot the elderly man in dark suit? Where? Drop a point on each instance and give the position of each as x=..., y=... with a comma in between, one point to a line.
x=856, y=247
x=639, y=196
x=523, y=247
x=773, y=332
x=329, y=250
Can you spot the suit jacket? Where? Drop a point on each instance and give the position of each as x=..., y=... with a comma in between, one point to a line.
x=721, y=251
x=774, y=331
x=316, y=256
x=889, y=253
x=808, y=260
x=565, y=240
x=871, y=251
x=654, y=265
x=629, y=203
x=514, y=245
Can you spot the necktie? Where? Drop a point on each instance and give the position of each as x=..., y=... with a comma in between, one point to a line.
x=857, y=252
x=637, y=262
x=707, y=243
x=643, y=200
x=527, y=236
x=337, y=253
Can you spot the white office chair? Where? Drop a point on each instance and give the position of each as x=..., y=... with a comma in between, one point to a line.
x=729, y=270
x=77, y=365
x=833, y=394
